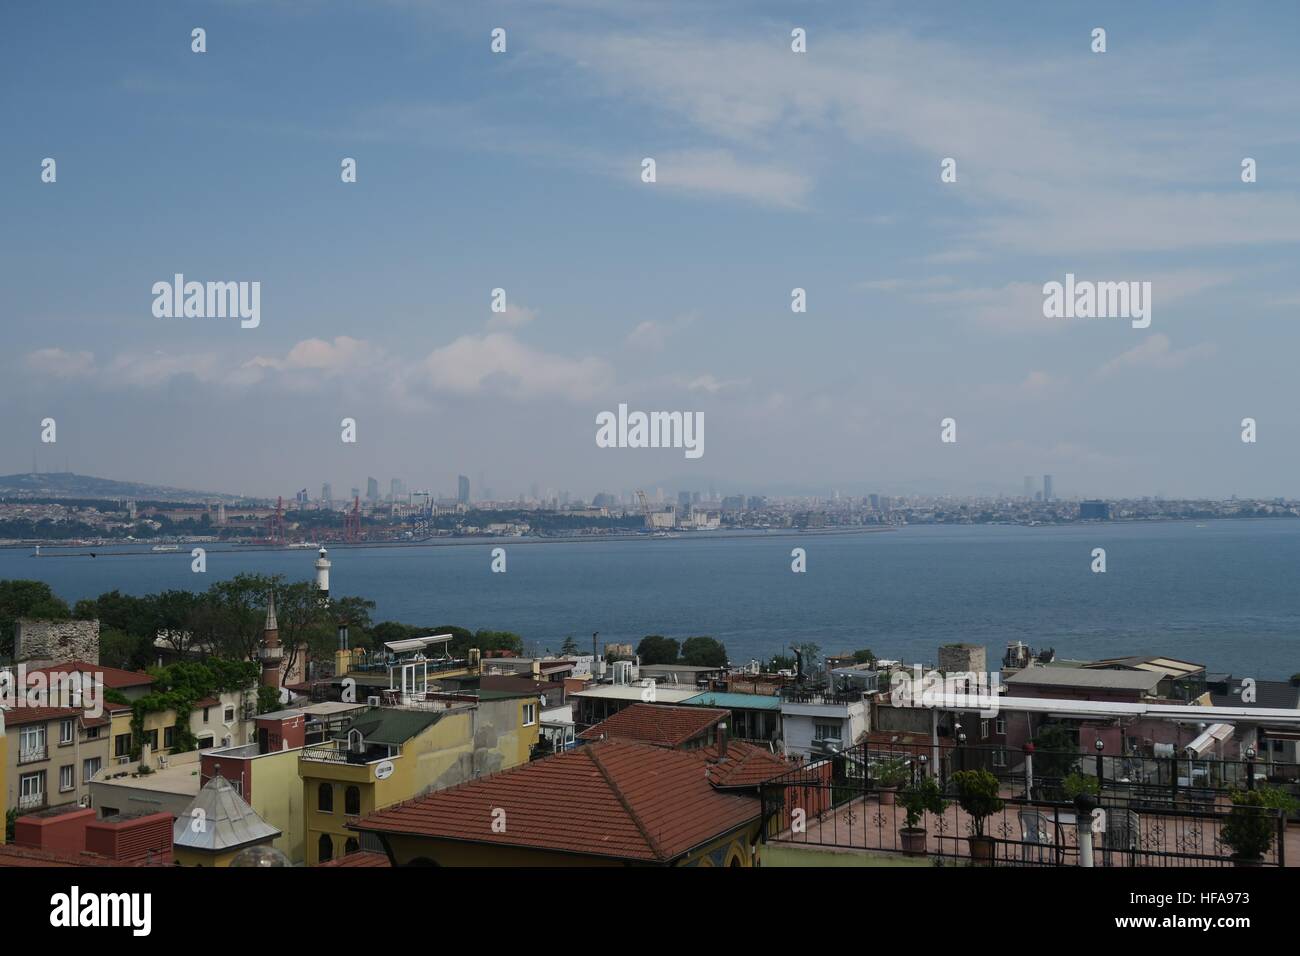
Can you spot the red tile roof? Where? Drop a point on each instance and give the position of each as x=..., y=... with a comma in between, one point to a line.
x=657, y=724
x=114, y=678
x=614, y=798
x=745, y=766
x=37, y=715
x=27, y=856
x=360, y=858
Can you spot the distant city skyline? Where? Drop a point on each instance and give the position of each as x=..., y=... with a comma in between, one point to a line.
x=777, y=172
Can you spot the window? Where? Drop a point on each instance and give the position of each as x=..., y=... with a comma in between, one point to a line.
x=151, y=738
x=530, y=714
x=325, y=848
x=230, y=715
x=352, y=801
x=205, y=714
x=351, y=846
x=826, y=731
x=67, y=778
x=122, y=745
x=169, y=737
x=999, y=758
x=92, y=733
x=984, y=730
x=66, y=731
x=206, y=742
x=90, y=767
x=31, y=744
x=31, y=790
x=1002, y=726
x=325, y=799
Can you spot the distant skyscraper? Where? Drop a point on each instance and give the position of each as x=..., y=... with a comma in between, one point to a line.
x=1029, y=486
x=462, y=489
x=1094, y=511
x=395, y=488
x=356, y=493
x=1047, y=487
x=372, y=489
x=326, y=494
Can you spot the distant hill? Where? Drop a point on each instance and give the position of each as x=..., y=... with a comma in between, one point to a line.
x=65, y=484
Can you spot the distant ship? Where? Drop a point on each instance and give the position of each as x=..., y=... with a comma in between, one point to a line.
x=165, y=547
x=305, y=544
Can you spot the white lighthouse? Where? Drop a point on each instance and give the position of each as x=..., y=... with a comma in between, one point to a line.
x=323, y=574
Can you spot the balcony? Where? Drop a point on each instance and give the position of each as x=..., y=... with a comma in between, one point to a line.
x=31, y=801
x=835, y=803
x=33, y=754
x=336, y=751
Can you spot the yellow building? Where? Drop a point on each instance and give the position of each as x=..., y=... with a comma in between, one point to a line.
x=613, y=803
x=390, y=754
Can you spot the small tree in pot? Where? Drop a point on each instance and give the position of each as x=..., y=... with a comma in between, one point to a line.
x=1279, y=798
x=977, y=794
x=890, y=774
x=922, y=797
x=1250, y=828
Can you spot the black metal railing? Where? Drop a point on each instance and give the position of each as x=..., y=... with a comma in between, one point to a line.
x=1177, y=781
x=825, y=803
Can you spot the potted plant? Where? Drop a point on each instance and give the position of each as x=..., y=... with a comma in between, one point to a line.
x=1249, y=828
x=1079, y=783
x=977, y=794
x=890, y=774
x=1279, y=798
x=922, y=797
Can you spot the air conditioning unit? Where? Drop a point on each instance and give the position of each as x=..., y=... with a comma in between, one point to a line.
x=372, y=701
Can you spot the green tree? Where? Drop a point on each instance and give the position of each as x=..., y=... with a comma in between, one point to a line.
x=486, y=640
x=864, y=656
x=120, y=649
x=569, y=647
x=1056, y=756
x=238, y=613
x=656, y=649
x=121, y=612
x=21, y=598
x=704, y=652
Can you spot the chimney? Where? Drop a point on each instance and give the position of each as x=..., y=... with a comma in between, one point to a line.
x=722, y=740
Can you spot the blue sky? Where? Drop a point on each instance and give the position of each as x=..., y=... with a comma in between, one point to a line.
x=775, y=170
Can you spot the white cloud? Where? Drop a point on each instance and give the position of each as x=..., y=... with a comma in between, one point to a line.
x=653, y=336
x=1155, y=352
x=343, y=354
x=1033, y=178
x=151, y=369
x=720, y=172
x=515, y=316
x=707, y=383
x=473, y=364
x=59, y=363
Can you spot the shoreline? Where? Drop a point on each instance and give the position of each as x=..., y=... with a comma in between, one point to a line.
x=60, y=550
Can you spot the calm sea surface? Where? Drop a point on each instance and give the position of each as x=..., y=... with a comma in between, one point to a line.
x=1224, y=594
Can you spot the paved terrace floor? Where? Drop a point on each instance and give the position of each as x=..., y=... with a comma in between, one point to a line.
x=1162, y=839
